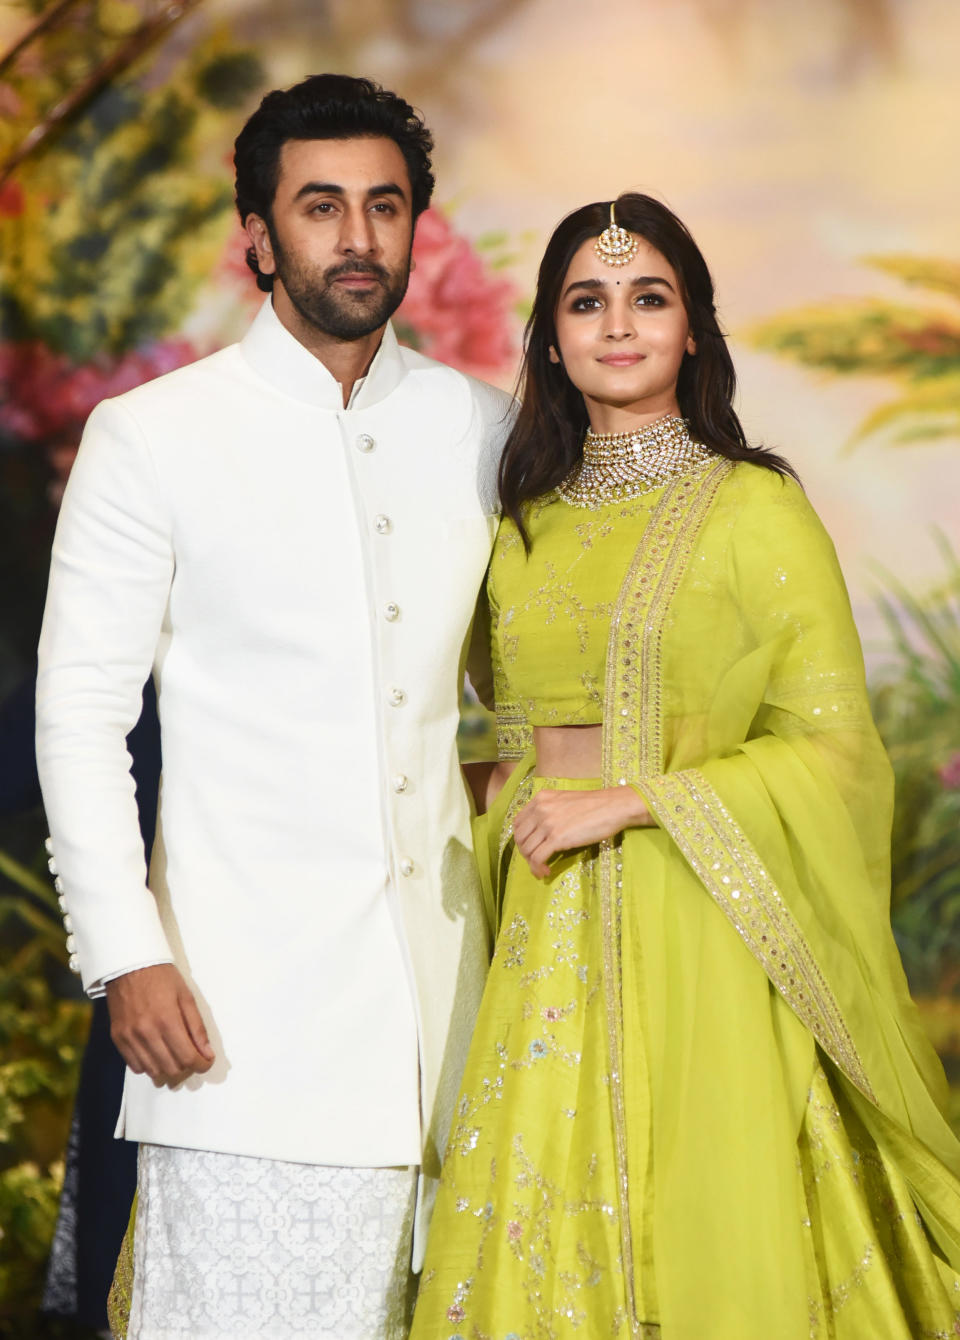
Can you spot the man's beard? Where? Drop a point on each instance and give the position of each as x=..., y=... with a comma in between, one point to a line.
x=342, y=313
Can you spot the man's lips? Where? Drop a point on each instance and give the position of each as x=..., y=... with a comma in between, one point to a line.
x=359, y=280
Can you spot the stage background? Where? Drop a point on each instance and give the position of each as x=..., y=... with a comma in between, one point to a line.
x=811, y=150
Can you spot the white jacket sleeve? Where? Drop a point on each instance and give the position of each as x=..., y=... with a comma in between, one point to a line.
x=110, y=579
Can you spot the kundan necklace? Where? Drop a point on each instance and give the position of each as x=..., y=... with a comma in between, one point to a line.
x=616, y=467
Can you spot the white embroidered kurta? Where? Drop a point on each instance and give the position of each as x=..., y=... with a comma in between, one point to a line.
x=300, y=579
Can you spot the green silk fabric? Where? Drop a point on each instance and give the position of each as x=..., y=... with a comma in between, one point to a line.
x=779, y=1159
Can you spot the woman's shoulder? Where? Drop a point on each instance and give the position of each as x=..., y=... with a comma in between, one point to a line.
x=752, y=480
x=770, y=512
x=753, y=491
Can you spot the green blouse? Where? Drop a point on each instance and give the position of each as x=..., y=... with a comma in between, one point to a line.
x=550, y=610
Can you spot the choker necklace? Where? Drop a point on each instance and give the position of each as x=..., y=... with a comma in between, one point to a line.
x=619, y=466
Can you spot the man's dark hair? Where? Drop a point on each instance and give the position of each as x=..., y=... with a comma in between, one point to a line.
x=325, y=107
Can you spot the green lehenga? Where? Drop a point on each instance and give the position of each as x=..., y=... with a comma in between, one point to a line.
x=698, y=1100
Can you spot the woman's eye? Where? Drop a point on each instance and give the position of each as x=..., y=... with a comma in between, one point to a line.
x=650, y=300
x=587, y=304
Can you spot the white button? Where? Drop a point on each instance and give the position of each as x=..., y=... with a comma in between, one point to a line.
x=391, y=612
x=365, y=442
x=52, y=866
x=67, y=921
x=406, y=866
x=400, y=783
x=58, y=884
x=48, y=844
x=71, y=945
x=63, y=903
x=396, y=697
x=74, y=963
x=382, y=524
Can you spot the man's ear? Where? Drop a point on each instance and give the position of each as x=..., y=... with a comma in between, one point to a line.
x=259, y=235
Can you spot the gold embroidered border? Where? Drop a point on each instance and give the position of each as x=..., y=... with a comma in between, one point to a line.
x=721, y=855
x=521, y=796
x=631, y=733
x=611, y=863
x=514, y=735
x=632, y=738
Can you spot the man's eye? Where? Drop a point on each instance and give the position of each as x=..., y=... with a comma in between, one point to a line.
x=385, y=207
x=322, y=207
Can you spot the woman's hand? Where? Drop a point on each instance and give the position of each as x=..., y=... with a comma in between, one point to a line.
x=564, y=820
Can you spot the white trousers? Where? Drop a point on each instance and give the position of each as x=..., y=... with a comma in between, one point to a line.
x=227, y=1247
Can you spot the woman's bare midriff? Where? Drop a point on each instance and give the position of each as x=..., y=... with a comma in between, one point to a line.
x=568, y=751
x=562, y=751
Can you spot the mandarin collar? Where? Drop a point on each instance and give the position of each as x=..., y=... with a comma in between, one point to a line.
x=288, y=365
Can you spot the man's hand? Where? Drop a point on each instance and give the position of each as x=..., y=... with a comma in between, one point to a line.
x=156, y=1026
x=564, y=820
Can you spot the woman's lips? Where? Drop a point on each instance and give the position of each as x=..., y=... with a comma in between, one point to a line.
x=621, y=360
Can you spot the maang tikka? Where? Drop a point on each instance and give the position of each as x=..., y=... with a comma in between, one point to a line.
x=615, y=246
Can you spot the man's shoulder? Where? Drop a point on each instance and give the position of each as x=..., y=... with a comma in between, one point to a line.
x=490, y=404
x=182, y=385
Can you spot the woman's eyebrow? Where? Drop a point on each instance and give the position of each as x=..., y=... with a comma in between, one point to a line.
x=639, y=281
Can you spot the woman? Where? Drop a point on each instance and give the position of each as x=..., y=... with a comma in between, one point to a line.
x=699, y=1102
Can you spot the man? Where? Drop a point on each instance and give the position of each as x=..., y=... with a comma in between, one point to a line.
x=291, y=535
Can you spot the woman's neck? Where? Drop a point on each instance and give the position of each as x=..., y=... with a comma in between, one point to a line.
x=606, y=419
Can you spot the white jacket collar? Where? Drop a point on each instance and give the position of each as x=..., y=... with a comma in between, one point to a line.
x=288, y=365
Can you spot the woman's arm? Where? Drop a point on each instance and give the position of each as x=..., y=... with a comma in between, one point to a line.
x=486, y=780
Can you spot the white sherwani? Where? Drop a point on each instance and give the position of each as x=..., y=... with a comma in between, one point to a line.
x=300, y=579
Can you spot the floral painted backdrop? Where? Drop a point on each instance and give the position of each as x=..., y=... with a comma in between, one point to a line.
x=810, y=149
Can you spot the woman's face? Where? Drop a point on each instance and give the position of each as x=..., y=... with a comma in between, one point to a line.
x=622, y=333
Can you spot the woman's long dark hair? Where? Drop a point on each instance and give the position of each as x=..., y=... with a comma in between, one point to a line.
x=547, y=437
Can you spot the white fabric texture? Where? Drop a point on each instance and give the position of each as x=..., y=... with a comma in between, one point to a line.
x=227, y=1246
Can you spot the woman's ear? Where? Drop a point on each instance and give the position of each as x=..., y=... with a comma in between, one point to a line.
x=691, y=344
x=553, y=355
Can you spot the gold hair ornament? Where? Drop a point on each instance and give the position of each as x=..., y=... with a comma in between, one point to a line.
x=615, y=246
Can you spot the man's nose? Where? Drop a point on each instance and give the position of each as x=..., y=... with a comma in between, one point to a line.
x=357, y=237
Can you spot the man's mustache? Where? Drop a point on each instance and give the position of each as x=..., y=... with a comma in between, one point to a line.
x=357, y=268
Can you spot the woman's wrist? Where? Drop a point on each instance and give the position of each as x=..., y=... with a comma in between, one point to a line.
x=636, y=807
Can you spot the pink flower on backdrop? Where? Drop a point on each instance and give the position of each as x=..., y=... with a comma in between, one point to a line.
x=949, y=774
x=232, y=266
x=11, y=199
x=44, y=398
x=456, y=308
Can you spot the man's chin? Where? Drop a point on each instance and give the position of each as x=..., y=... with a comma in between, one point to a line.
x=345, y=315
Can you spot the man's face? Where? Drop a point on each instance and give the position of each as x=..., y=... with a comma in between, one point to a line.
x=340, y=234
